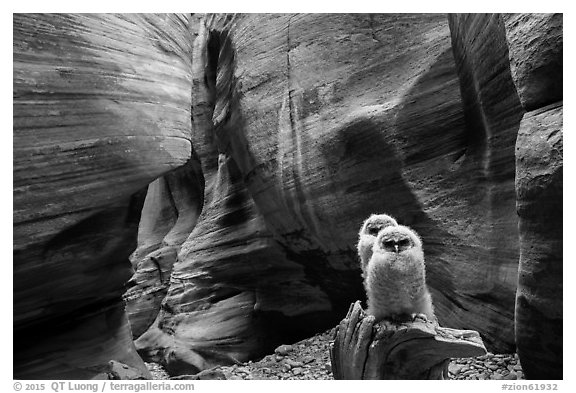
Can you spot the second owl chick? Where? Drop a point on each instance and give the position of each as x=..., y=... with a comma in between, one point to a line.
x=395, y=276
x=370, y=229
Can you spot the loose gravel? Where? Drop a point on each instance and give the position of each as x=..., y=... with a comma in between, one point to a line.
x=310, y=360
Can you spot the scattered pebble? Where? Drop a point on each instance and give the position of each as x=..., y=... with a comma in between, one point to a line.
x=455, y=368
x=297, y=371
x=489, y=366
x=244, y=370
x=294, y=363
x=284, y=350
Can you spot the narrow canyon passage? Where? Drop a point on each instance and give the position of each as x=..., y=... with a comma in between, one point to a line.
x=188, y=188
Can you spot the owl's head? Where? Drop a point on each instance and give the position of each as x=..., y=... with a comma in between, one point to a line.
x=397, y=239
x=375, y=223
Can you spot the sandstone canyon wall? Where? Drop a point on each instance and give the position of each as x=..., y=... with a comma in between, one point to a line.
x=535, y=42
x=306, y=124
x=244, y=151
x=101, y=108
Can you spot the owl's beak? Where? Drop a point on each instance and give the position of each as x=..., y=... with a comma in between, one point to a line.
x=396, y=247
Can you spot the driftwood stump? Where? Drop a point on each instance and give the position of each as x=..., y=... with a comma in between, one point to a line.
x=416, y=349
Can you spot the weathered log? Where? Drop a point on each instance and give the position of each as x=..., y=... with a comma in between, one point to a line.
x=414, y=349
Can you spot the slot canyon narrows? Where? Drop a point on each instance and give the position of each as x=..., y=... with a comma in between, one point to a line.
x=188, y=188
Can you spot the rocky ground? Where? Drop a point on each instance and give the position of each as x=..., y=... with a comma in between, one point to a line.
x=310, y=359
x=157, y=371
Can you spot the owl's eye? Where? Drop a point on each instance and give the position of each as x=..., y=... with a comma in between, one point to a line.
x=373, y=230
x=404, y=243
x=389, y=244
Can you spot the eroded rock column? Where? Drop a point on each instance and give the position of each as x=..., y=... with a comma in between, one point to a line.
x=535, y=42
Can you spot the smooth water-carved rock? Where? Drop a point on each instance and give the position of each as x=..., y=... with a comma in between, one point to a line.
x=101, y=109
x=539, y=173
x=302, y=126
x=536, y=47
x=173, y=203
x=305, y=125
x=493, y=113
x=535, y=42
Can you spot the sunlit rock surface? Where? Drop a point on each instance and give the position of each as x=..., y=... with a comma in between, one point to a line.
x=306, y=124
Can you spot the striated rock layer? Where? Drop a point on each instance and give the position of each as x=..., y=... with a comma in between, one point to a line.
x=306, y=124
x=493, y=113
x=244, y=152
x=535, y=42
x=101, y=108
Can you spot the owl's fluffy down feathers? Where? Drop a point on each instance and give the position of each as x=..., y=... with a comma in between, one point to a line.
x=395, y=275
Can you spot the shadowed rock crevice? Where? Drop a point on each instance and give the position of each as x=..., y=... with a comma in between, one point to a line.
x=492, y=114
x=173, y=204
